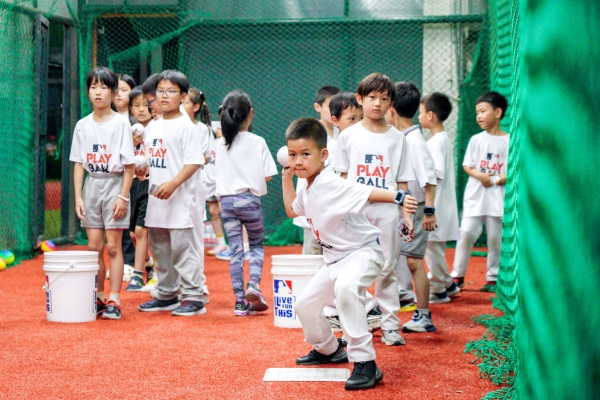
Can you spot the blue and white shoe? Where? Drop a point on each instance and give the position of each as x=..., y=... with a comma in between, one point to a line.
x=439, y=298
x=225, y=255
x=453, y=289
x=419, y=323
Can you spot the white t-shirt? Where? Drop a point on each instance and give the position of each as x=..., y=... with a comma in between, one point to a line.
x=374, y=159
x=333, y=207
x=446, y=212
x=203, y=131
x=170, y=145
x=244, y=166
x=301, y=182
x=210, y=183
x=102, y=148
x=486, y=153
x=422, y=162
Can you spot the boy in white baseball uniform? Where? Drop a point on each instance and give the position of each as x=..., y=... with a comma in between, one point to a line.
x=353, y=258
x=175, y=154
x=423, y=188
x=433, y=111
x=321, y=105
x=485, y=161
x=374, y=154
x=103, y=147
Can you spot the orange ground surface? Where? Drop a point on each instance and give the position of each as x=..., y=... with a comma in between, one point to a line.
x=216, y=355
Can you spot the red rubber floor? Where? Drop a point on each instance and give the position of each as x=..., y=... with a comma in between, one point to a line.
x=216, y=355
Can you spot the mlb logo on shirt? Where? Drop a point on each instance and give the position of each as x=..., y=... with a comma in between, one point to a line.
x=282, y=287
x=492, y=155
x=373, y=159
x=157, y=143
x=98, y=148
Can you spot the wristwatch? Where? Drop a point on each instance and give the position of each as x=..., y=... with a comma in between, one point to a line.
x=399, y=199
x=428, y=210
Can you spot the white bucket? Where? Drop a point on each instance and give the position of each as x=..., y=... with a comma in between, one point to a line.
x=291, y=273
x=71, y=285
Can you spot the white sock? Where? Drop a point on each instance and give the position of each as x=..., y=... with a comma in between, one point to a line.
x=221, y=240
x=116, y=297
x=424, y=311
x=246, y=247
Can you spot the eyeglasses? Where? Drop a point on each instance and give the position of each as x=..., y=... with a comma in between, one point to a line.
x=168, y=93
x=151, y=101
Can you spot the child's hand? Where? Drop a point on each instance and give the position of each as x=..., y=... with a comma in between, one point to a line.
x=288, y=172
x=120, y=208
x=141, y=172
x=137, y=138
x=165, y=190
x=484, y=178
x=80, y=209
x=502, y=180
x=429, y=223
x=410, y=204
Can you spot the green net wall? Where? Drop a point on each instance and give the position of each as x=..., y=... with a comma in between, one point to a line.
x=559, y=316
x=281, y=56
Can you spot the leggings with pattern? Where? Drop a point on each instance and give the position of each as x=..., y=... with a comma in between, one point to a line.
x=237, y=210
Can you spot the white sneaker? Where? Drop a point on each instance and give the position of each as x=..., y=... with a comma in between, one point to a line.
x=217, y=249
x=419, y=323
x=150, y=286
x=392, y=338
x=127, y=272
x=439, y=298
x=150, y=262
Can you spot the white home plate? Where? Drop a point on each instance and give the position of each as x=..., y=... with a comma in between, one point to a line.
x=307, y=374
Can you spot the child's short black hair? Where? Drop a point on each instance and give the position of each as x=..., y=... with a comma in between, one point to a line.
x=439, y=104
x=340, y=102
x=324, y=93
x=135, y=92
x=309, y=129
x=376, y=82
x=104, y=76
x=407, y=99
x=127, y=79
x=495, y=99
x=175, y=77
x=149, y=85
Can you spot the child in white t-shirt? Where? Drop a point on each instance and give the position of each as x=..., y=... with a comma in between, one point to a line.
x=374, y=154
x=422, y=187
x=434, y=110
x=175, y=154
x=102, y=146
x=244, y=165
x=353, y=258
x=485, y=161
x=139, y=194
x=321, y=106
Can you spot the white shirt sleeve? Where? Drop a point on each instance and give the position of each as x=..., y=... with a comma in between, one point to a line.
x=469, y=160
x=126, y=152
x=298, y=204
x=341, y=159
x=405, y=171
x=191, y=144
x=436, y=147
x=423, y=164
x=268, y=163
x=347, y=197
x=75, y=155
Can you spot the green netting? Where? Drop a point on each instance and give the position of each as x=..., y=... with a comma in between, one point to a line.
x=282, y=55
x=559, y=316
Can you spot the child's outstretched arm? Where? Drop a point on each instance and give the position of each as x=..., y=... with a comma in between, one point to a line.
x=289, y=193
x=167, y=188
x=119, y=209
x=483, y=177
x=387, y=196
x=78, y=173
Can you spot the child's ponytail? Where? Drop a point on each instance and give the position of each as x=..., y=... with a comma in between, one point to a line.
x=203, y=113
x=236, y=108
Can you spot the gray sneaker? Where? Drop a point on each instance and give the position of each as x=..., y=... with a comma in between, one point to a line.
x=255, y=297
x=392, y=338
x=189, y=308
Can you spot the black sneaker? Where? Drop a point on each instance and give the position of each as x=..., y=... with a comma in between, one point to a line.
x=460, y=282
x=112, y=311
x=189, y=308
x=135, y=284
x=364, y=376
x=100, y=307
x=342, y=341
x=159, y=305
x=315, y=358
x=242, y=308
x=255, y=297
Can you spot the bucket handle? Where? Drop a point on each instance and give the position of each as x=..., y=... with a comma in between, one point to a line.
x=46, y=288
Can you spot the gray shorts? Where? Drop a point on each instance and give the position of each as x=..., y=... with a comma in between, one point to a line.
x=100, y=192
x=416, y=248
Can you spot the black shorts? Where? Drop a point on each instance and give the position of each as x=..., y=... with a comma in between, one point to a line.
x=138, y=195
